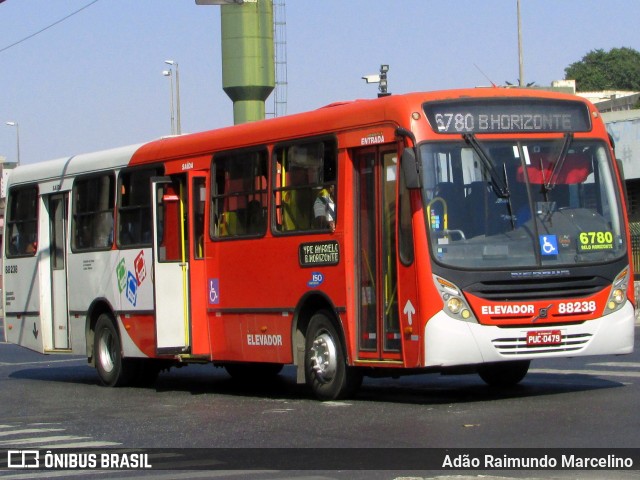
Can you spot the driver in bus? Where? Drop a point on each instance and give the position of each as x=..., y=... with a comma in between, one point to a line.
x=324, y=209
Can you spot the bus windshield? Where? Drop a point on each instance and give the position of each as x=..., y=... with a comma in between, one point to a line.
x=526, y=203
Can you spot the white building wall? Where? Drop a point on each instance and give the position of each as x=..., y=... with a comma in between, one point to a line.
x=624, y=127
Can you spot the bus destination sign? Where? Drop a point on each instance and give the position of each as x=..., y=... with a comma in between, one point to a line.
x=512, y=115
x=318, y=253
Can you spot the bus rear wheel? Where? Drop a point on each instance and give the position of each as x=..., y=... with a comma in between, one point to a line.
x=112, y=368
x=326, y=370
x=503, y=374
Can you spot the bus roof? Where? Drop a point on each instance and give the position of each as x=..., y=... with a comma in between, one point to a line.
x=74, y=165
x=325, y=120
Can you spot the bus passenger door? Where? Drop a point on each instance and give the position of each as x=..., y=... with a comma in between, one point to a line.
x=57, y=206
x=379, y=325
x=197, y=270
x=170, y=265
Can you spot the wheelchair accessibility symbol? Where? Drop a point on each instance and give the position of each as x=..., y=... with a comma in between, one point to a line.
x=548, y=245
x=214, y=291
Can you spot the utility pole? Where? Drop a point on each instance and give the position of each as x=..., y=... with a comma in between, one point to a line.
x=520, y=58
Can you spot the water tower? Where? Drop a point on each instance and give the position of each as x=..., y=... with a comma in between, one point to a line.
x=248, y=71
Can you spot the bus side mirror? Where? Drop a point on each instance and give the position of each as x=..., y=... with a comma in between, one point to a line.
x=410, y=168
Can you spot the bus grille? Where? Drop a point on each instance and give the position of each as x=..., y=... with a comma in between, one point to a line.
x=515, y=290
x=514, y=346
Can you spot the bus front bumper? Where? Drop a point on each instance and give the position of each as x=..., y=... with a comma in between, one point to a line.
x=450, y=342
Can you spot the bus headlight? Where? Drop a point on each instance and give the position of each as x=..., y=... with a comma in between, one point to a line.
x=454, y=303
x=618, y=294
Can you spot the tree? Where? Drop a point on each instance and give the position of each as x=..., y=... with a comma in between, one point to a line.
x=617, y=69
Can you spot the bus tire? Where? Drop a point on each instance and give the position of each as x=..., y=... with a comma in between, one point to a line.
x=326, y=370
x=503, y=374
x=112, y=368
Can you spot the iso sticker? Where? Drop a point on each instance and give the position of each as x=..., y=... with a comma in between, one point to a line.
x=316, y=280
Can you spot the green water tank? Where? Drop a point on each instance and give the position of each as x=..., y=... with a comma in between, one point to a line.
x=248, y=69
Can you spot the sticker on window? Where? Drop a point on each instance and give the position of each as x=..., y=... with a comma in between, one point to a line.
x=548, y=245
x=595, y=241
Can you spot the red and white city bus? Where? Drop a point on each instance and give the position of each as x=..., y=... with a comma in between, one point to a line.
x=460, y=230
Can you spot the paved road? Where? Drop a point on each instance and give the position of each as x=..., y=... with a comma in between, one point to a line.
x=52, y=401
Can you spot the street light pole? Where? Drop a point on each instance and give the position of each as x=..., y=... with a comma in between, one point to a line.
x=520, y=56
x=167, y=73
x=178, y=124
x=15, y=124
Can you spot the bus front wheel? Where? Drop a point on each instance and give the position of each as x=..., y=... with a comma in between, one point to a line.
x=113, y=370
x=503, y=374
x=326, y=369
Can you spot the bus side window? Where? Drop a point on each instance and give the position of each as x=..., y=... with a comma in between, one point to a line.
x=295, y=201
x=22, y=222
x=304, y=190
x=239, y=194
x=92, y=220
x=198, y=200
x=134, y=206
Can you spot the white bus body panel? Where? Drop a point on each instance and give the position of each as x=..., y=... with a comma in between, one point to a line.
x=121, y=277
x=28, y=289
x=23, y=321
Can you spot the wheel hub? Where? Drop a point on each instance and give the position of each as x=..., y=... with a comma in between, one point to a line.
x=323, y=357
x=104, y=354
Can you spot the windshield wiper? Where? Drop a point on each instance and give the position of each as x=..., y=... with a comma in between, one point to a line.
x=553, y=180
x=499, y=183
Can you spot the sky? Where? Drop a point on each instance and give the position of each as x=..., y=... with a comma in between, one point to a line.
x=94, y=81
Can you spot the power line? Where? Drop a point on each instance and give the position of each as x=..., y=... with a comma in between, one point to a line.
x=46, y=28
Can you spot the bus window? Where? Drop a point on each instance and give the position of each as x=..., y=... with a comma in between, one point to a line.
x=405, y=232
x=198, y=199
x=239, y=194
x=170, y=244
x=92, y=222
x=305, y=181
x=22, y=222
x=134, y=207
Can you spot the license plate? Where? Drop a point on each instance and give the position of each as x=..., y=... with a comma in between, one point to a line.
x=544, y=337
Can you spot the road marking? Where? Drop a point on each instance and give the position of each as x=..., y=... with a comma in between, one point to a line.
x=30, y=430
x=21, y=364
x=93, y=444
x=33, y=440
x=600, y=373
x=30, y=441
x=624, y=369
x=25, y=436
x=336, y=404
x=279, y=410
x=56, y=473
x=617, y=364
